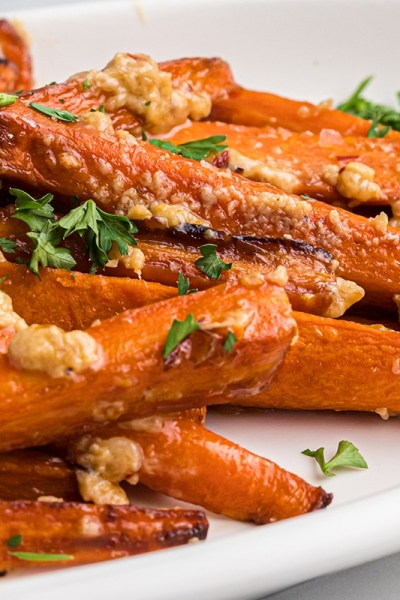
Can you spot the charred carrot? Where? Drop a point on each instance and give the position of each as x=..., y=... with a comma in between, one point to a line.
x=73, y=533
x=190, y=463
x=124, y=367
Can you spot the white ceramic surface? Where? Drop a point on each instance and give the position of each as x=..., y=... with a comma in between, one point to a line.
x=311, y=49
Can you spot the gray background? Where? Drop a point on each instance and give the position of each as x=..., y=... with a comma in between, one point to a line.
x=378, y=580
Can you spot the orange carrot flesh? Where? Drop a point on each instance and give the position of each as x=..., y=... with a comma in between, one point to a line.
x=190, y=463
x=16, y=51
x=133, y=379
x=74, y=300
x=350, y=366
x=300, y=162
x=85, y=533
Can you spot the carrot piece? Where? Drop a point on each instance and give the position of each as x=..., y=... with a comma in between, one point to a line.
x=29, y=474
x=368, y=253
x=351, y=366
x=130, y=378
x=74, y=300
x=248, y=107
x=190, y=463
x=16, y=52
x=88, y=533
x=312, y=285
x=303, y=163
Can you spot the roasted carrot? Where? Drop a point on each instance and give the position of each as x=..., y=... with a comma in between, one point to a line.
x=337, y=365
x=83, y=533
x=74, y=300
x=117, y=370
x=18, y=60
x=142, y=180
x=302, y=163
x=30, y=474
x=165, y=252
x=248, y=107
x=190, y=463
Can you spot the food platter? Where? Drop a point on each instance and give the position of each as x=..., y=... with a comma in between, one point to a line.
x=267, y=49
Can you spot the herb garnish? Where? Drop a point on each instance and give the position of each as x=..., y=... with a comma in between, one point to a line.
x=197, y=150
x=100, y=230
x=347, y=455
x=211, y=264
x=230, y=341
x=366, y=109
x=179, y=331
x=38, y=556
x=14, y=541
x=7, y=99
x=183, y=285
x=55, y=113
x=2, y=279
x=7, y=245
x=86, y=84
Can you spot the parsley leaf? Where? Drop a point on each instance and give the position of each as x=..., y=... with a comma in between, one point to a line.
x=86, y=84
x=179, y=331
x=183, y=285
x=14, y=541
x=7, y=245
x=101, y=230
x=366, y=109
x=230, y=341
x=211, y=264
x=38, y=556
x=33, y=212
x=2, y=279
x=376, y=131
x=7, y=99
x=46, y=253
x=347, y=455
x=56, y=113
x=197, y=150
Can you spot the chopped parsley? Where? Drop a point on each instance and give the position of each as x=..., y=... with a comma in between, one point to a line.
x=210, y=263
x=230, y=341
x=42, y=557
x=14, y=541
x=2, y=279
x=55, y=113
x=347, y=455
x=196, y=150
x=86, y=84
x=379, y=114
x=7, y=245
x=7, y=99
x=180, y=330
x=184, y=285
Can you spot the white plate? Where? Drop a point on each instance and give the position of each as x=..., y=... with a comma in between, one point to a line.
x=308, y=49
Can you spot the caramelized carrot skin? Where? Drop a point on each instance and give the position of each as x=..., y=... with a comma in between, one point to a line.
x=258, y=109
x=74, y=301
x=29, y=474
x=367, y=256
x=91, y=533
x=305, y=156
x=351, y=367
x=190, y=463
x=15, y=50
x=134, y=380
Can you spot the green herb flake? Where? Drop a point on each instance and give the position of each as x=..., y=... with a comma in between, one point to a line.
x=379, y=114
x=308, y=198
x=73, y=277
x=86, y=84
x=7, y=246
x=2, y=279
x=230, y=341
x=183, y=285
x=55, y=113
x=196, y=150
x=210, y=263
x=147, y=103
x=144, y=136
x=7, y=99
x=100, y=230
x=14, y=541
x=102, y=109
x=41, y=557
x=61, y=100
x=347, y=455
x=179, y=331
